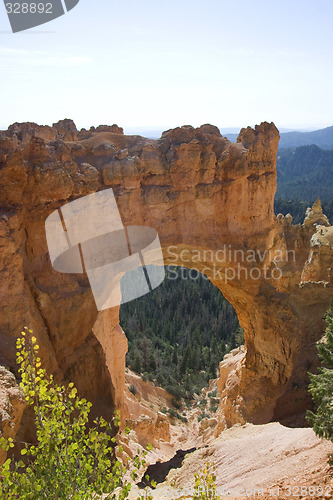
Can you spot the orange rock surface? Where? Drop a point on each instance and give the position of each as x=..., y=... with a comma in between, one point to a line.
x=211, y=202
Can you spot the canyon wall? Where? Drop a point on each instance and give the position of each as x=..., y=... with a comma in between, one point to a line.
x=211, y=202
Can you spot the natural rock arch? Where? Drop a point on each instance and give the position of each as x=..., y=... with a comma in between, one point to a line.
x=200, y=192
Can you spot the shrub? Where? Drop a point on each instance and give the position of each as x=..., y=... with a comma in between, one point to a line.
x=205, y=484
x=148, y=376
x=133, y=389
x=174, y=414
x=212, y=394
x=70, y=460
x=176, y=403
x=321, y=386
x=203, y=415
x=176, y=390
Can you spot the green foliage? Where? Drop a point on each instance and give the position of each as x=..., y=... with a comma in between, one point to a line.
x=147, y=493
x=175, y=414
x=133, y=389
x=178, y=333
x=205, y=484
x=295, y=208
x=212, y=394
x=203, y=415
x=321, y=385
x=298, y=208
x=304, y=173
x=176, y=403
x=71, y=460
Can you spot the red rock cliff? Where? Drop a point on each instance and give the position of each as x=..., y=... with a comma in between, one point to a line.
x=204, y=195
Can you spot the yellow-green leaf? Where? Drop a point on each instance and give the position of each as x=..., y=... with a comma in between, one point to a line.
x=72, y=394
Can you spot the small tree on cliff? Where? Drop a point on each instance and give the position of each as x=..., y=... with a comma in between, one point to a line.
x=71, y=460
x=321, y=385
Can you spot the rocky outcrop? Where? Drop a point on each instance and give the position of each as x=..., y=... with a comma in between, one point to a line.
x=150, y=430
x=114, y=344
x=211, y=202
x=314, y=215
x=12, y=404
x=143, y=404
x=318, y=267
x=230, y=370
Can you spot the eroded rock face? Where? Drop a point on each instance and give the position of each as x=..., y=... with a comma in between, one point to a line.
x=12, y=404
x=314, y=215
x=114, y=343
x=211, y=202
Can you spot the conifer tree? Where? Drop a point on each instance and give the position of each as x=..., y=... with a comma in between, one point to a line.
x=321, y=385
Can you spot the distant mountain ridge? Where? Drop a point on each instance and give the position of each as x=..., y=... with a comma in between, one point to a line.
x=322, y=138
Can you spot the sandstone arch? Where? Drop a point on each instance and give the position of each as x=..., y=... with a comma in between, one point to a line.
x=200, y=192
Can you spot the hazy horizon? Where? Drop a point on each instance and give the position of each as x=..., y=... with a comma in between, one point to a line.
x=226, y=130
x=153, y=130
x=142, y=63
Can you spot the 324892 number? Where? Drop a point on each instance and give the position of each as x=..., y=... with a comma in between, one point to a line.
x=29, y=8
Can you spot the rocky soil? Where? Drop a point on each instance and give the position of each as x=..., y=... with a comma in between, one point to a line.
x=258, y=461
x=251, y=461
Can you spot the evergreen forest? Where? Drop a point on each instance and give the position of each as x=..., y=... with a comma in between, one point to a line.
x=178, y=333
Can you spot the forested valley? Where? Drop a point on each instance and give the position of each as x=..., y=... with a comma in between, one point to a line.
x=178, y=333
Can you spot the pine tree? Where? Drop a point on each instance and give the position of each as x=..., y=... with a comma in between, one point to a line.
x=137, y=367
x=321, y=385
x=212, y=371
x=184, y=363
x=175, y=357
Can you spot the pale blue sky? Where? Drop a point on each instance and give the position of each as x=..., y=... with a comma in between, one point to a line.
x=152, y=64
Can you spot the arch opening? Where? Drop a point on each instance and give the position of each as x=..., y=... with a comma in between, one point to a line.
x=179, y=333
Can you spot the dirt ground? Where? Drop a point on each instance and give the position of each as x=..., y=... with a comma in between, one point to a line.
x=251, y=461
x=263, y=461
